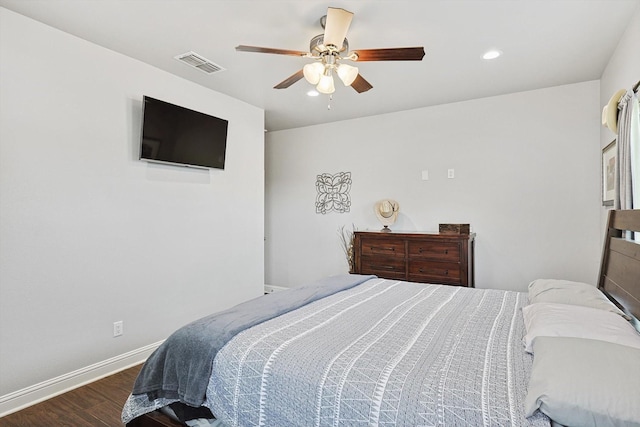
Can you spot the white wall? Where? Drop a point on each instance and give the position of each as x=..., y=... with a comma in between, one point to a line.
x=527, y=173
x=89, y=234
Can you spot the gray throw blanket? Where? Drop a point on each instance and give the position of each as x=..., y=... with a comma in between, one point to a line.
x=181, y=367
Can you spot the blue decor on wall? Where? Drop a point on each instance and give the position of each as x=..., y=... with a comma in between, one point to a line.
x=333, y=192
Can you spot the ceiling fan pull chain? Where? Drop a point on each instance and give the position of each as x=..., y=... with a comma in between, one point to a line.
x=329, y=104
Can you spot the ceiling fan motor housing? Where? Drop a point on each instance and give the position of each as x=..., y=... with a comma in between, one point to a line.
x=317, y=46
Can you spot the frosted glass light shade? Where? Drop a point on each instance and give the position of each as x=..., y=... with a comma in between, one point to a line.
x=325, y=85
x=347, y=73
x=312, y=72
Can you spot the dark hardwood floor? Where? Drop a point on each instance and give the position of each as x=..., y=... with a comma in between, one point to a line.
x=96, y=404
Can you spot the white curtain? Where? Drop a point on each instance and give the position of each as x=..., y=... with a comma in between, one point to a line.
x=628, y=155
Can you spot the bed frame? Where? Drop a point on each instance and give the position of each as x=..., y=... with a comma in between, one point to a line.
x=154, y=419
x=619, y=279
x=619, y=276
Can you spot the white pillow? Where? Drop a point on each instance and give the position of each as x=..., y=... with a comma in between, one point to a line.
x=564, y=320
x=574, y=293
x=587, y=383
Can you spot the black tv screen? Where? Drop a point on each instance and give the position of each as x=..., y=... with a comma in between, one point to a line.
x=178, y=135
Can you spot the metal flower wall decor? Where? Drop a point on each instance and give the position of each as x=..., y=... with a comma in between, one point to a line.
x=333, y=192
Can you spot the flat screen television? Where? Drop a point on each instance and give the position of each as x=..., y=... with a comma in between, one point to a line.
x=180, y=136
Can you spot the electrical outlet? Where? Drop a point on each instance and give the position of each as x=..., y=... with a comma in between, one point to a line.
x=451, y=173
x=118, y=328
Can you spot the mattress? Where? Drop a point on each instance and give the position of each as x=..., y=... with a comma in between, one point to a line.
x=383, y=353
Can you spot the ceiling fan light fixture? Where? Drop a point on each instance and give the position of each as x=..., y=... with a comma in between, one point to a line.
x=325, y=85
x=347, y=73
x=312, y=72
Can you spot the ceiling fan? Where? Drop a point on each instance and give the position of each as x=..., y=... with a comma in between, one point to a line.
x=330, y=49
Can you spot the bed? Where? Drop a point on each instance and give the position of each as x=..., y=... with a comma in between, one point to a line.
x=360, y=350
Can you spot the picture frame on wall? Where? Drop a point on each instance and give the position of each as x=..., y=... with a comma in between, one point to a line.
x=608, y=173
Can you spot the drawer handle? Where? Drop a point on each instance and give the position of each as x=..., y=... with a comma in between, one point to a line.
x=382, y=267
x=446, y=272
x=446, y=251
x=375, y=248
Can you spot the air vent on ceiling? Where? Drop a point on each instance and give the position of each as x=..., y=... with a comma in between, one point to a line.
x=197, y=61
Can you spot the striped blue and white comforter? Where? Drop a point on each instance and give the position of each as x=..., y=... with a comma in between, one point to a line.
x=384, y=353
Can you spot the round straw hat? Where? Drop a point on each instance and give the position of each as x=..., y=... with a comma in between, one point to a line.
x=610, y=111
x=387, y=211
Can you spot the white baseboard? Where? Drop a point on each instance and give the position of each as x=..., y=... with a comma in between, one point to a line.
x=13, y=402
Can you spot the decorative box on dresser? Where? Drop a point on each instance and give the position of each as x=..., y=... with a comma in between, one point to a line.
x=416, y=256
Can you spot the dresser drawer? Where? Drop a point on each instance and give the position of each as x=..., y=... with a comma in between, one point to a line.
x=382, y=247
x=439, y=251
x=434, y=272
x=389, y=268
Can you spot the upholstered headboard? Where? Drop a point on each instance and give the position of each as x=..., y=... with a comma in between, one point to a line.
x=620, y=268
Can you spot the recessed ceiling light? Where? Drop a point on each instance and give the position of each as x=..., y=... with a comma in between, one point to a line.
x=312, y=93
x=492, y=54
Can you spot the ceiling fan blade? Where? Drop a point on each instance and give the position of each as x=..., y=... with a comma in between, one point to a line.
x=391, y=54
x=360, y=84
x=289, y=80
x=336, y=26
x=243, y=48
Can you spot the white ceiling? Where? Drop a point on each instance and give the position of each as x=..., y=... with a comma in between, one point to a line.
x=545, y=43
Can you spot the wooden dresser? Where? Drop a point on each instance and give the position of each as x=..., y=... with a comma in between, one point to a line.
x=416, y=257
